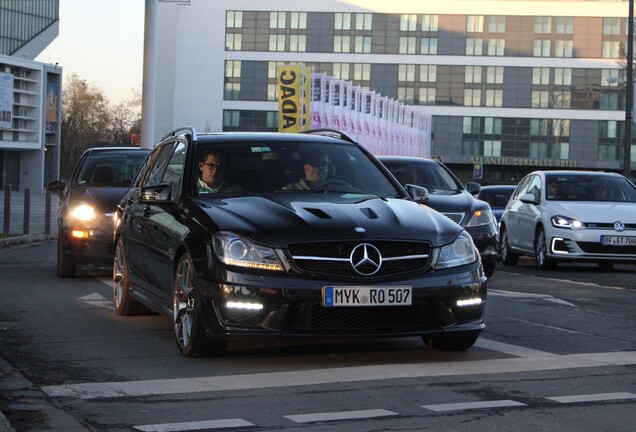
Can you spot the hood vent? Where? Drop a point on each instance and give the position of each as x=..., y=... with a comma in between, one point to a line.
x=318, y=213
x=369, y=213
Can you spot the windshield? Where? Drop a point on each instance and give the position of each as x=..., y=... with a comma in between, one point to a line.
x=589, y=188
x=288, y=167
x=432, y=176
x=110, y=169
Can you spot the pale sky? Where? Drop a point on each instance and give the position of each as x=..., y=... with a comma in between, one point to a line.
x=102, y=42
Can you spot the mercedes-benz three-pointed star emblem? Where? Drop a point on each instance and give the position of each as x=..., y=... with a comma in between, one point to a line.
x=366, y=259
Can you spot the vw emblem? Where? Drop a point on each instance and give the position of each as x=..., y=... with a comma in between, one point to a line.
x=366, y=259
x=619, y=226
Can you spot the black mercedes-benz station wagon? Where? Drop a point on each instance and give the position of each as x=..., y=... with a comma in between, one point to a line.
x=295, y=235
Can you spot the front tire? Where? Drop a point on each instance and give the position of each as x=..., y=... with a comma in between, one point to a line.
x=65, y=266
x=124, y=303
x=186, y=315
x=508, y=257
x=541, y=252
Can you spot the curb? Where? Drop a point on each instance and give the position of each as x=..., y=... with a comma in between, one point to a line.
x=22, y=239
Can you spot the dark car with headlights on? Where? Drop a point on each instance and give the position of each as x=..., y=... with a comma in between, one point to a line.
x=449, y=196
x=269, y=250
x=497, y=197
x=88, y=201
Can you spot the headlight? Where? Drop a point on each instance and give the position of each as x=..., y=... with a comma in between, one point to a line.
x=232, y=249
x=566, y=222
x=460, y=252
x=83, y=212
x=481, y=217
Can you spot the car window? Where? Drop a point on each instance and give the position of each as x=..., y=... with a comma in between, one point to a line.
x=110, y=169
x=582, y=187
x=173, y=173
x=432, y=176
x=267, y=167
x=522, y=188
x=158, y=165
x=534, y=187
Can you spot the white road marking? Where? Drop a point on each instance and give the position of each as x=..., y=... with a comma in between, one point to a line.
x=586, y=284
x=515, y=350
x=473, y=405
x=338, y=375
x=96, y=299
x=593, y=397
x=200, y=425
x=544, y=297
x=344, y=415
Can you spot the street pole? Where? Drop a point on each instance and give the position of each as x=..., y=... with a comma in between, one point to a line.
x=629, y=96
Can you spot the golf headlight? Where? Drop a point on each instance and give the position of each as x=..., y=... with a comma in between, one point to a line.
x=83, y=212
x=481, y=217
x=232, y=249
x=460, y=252
x=566, y=222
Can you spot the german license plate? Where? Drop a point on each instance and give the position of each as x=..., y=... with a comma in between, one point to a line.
x=618, y=240
x=334, y=296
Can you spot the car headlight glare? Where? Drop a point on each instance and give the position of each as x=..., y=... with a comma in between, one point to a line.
x=460, y=252
x=232, y=249
x=566, y=222
x=481, y=217
x=83, y=212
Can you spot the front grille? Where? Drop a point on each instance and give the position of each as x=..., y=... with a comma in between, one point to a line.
x=309, y=316
x=332, y=258
x=597, y=248
x=607, y=226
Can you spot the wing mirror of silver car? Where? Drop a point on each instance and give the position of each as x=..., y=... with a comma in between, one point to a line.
x=418, y=193
x=529, y=198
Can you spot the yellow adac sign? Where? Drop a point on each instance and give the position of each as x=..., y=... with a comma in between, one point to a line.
x=289, y=97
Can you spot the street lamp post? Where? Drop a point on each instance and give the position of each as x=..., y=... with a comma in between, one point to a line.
x=629, y=95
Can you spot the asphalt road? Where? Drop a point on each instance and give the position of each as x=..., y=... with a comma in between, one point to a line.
x=558, y=354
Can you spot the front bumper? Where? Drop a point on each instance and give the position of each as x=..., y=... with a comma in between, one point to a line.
x=292, y=306
x=96, y=249
x=486, y=239
x=586, y=245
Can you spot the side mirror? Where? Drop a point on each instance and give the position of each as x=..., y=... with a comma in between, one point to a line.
x=57, y=186
x=473, y=188
x=156, y=194
x=418, y=193
x=529, y=199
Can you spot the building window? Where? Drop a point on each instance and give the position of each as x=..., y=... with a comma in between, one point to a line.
x=426, y=96
x=474, y=24
x=471, y=148
x=234, y=19
x=406, y=73
x=471, y=125
x=541, y=48
x=494, y=74
x=429, y=23
x=364, y=21
x=298, y=20
x=297, y=43
x=233, y=41
x=362, y=44
x=277, y=20
x=540, y=76
x=407, y=45
x=492, y=126
x=272, y=92
x=232, y=91
x=428, y=46
x=564, y=25
x=342, y=44
x=361, y=71
x=494, y=98
x=472, y=97
x=277, y=42
x=341, y=71
x=540, y=99
x=543, y=24
x=406, y=95
x=474, y=47
x=408, y=22
x=563, y=76
x=563, y=48
x=492, y=148
x=496, y=24
x=231, y=118
x=496, y=47
x=562, y=99
x=232, y=69
x=428, y=73
x=611, y=26
x=610, y=49
x=342, y=21
x=472, y=74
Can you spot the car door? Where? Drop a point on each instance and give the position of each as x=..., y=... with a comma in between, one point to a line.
x=527, y=215
x=513, y=210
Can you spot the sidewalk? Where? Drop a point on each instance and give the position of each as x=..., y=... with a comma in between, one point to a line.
x=37, y=218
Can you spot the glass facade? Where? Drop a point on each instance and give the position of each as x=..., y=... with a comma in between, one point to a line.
x=21, y=20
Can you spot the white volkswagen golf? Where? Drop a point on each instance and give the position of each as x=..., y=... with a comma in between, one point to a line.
x=570, y=216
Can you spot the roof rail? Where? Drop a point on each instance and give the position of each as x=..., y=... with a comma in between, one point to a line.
x=328, y=131
x=189, y=129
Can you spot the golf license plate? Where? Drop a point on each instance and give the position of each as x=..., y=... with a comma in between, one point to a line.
x=618, y=240
x=363, y=296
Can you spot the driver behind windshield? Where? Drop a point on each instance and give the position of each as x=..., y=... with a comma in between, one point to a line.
x=316, y=169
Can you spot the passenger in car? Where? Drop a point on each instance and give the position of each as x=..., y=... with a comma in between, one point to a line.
x=213, y=167
x=554, y=190
x=316, y=169
x=600, y=192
